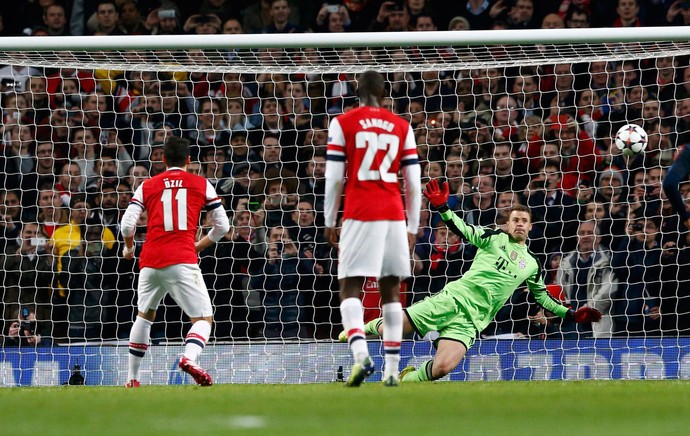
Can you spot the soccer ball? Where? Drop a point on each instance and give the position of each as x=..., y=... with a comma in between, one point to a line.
x=631, y=139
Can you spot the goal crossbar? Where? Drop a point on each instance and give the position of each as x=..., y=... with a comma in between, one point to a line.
x=464, y=50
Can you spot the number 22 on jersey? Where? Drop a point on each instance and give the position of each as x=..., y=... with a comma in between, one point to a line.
x=373, y=142
x=179, y=205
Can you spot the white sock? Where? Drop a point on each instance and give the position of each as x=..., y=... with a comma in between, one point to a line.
x=352, y=315
x=196, y=339
x=392, y=337
x=138, y=344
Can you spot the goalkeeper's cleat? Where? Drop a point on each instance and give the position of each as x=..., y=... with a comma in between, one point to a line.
x=342, y=336
x=132, y=384
x=405, y=371
x=360, y=371
x=391, y=381
x=198, y=373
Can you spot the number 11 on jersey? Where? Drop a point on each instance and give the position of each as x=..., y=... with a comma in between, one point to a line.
x=168, y=205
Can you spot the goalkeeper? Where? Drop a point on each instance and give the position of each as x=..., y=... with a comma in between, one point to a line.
x=465, y=307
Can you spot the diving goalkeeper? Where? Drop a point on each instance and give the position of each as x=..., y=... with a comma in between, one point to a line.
x=465, y=307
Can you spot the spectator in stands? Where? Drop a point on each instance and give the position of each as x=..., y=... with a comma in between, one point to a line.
x=106, y=20
x=26, y=329
x=587, y=279
x=627, y=11
x=552, y=21
x=164, y=21
x=137, y=174
x=277, y=279
x=553, y=210
x=329, y=20
x=10, y=219
x=84, y=151
x=14, y=77
x=232, y=26
x=39, y=104
x=313, y=184
x=296, y=105
x=105, y=210
x=131, y=21
x=213, y=160
x=579, y=156
x=198, y=24
x=509, y=172
x=393, y=16
x=438, y=260
x=479, y=206
x=670, y=283
x=88, y=273
x=505, y=118
x=577, y=17
x=211, y=126
x=479, y=14
x=425, y=23
x=521, y=16
x=635, y=259
x=52, y=213
x=55, y=20
x=280, y=19
x=226, y=271
x=281, y=197
x=15, y=108
x=70, y=181
x=525, y=91
x=257, y=16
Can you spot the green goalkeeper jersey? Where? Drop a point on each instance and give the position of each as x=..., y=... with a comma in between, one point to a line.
x=499, y=267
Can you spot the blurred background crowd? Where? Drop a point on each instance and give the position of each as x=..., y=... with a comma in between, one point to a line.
x=76, y=143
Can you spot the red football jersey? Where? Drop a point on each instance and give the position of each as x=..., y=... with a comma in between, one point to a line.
x=174, y=200
x=375, y=143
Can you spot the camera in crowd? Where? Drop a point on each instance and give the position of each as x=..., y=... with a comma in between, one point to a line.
x=25, y=325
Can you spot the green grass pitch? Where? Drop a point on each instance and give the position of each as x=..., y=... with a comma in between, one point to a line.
x=481, y=408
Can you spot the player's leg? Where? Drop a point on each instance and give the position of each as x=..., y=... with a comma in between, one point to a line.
x=457, y=333
x=361, y=255
x=189, y=291
x=449, y=354
x=396, y=265
x=392, y=325
x=149, y=294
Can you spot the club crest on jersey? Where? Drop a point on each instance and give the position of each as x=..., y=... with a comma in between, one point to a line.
x=522, y=264
x=513, y=255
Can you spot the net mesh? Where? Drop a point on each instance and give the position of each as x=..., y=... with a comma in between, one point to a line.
x=503, y=124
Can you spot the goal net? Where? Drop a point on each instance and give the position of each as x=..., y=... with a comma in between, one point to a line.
x=505, y=117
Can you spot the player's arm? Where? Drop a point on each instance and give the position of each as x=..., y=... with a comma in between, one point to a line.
x=128, y=225
x=676, y=174
x=412, y=177
x=220, y=225
x=536, y=286
x=335, y=173
x=438, y=199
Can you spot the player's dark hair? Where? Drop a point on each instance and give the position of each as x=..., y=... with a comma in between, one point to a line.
x=371, y=84
x=521, y=208
x=176, y=151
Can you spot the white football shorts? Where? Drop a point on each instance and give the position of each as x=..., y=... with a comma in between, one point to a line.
x=373, y=249
x=183, y=282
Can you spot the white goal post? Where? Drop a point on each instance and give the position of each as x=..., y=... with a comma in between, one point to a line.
x=212, y=89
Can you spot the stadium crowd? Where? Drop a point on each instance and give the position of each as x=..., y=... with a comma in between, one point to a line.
x=77, y=143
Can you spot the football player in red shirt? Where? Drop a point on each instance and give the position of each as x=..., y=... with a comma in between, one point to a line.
x=169, y=263
x=375, y=240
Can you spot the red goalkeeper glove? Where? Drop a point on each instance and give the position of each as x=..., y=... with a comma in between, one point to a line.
x=437, y=196
x=584, y=314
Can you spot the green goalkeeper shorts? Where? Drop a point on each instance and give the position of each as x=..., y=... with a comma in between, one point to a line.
x=440, y=313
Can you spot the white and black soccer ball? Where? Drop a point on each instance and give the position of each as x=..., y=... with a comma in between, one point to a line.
x=631, y=139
